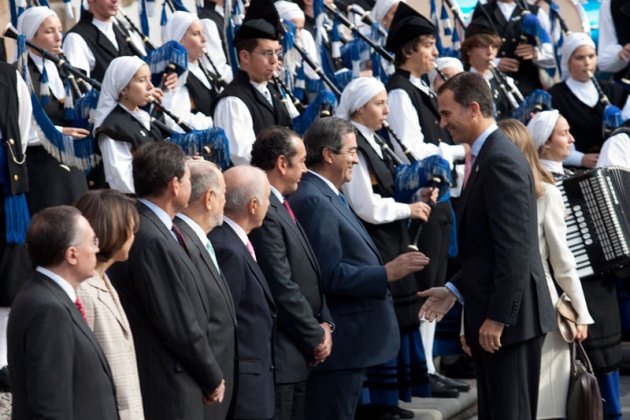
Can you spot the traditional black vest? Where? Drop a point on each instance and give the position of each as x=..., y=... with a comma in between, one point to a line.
x=526, y=78
x=10, y=129
x=586, y=122
x=102, y=48
x=392, y=238
x=263, y=113
x=201, y=97
x=122, y=126
x=208, y=12
x=54, y=109
x=426, y=107
x=620, y=11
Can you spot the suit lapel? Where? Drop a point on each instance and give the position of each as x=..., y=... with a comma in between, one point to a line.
x=106, y=299
x=76, y=317
x=284, y=217
x=251, y=263
x=474, y=174
x=345, y=211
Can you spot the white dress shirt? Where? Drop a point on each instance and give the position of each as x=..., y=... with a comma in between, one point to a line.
x=25, y=111
x=608, y=46
x=61, y=282
x=369, y=206
x=615, y=151
x=215, y=49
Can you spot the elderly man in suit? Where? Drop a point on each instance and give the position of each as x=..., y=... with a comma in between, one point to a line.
x=353, y=276
x=164, y=296
x=507, y=308
x=303, y=337
x=58, y=370
x=247, y=201
x=204, y=213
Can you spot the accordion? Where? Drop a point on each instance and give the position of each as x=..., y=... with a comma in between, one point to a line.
x=598, y=220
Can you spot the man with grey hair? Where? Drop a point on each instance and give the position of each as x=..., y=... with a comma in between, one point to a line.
x=204, y=213
x=353, y=276
x=246, y=204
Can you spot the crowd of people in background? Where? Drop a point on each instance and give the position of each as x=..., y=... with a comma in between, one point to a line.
x=303, y=275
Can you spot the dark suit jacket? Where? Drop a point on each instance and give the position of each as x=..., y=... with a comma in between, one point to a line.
x=221, y=316
x=501, y=277
x=167, y=306
x=353, y=278
x=255, y=314
x=289, y=264
x=58, y=370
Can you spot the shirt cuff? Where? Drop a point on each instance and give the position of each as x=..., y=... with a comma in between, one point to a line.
x=450, y=286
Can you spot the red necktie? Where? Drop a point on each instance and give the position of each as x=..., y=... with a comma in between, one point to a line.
x=79, y=306
x=180, y=238
x=250, y=248
x=286, y=205
x=467, y=167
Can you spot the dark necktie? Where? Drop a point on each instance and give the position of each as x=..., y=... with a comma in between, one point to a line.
x=81, y=309
x=180, y=238
x=286, y=205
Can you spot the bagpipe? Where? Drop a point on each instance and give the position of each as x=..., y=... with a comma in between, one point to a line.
x=409, y=180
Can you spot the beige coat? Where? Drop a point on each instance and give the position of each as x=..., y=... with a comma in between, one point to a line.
x=110, y=325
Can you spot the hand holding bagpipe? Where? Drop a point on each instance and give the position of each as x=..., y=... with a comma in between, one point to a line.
x=433, y=187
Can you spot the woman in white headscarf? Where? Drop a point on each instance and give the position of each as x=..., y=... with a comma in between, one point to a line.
x=579, y=102
x=556, y=256
x=448, y=66
x=197, y=87
x=553, y=141
x=384, y=10
x=120, y=126
x=51, y=182
x=370, y=195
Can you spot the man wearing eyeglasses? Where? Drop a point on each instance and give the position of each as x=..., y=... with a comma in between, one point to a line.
x=58, y=369
x=353, y=277
x=250, y=103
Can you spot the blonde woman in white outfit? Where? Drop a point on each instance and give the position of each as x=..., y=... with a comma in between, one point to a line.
x=554, y=252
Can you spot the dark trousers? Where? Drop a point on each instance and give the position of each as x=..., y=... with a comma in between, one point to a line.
x=507, y=380
x=334, y=394
x=434, y=242
x=290, y=399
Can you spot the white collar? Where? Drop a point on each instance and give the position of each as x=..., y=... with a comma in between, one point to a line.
x=552, y=166
x=195, y=227
x=369, y=136
x=586, y=92
x=239, y=230
x=61, y=282
x=159, y=212
x=330, y=184
x=507, y=9
x=142, y=116
x=275, y=192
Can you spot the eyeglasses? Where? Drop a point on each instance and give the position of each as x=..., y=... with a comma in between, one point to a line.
x=94, y=242
x=268, y=54
x=352, y=152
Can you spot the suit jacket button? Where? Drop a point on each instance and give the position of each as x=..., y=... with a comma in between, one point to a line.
x=15, y=177
x=91, y=184
x=11, y=141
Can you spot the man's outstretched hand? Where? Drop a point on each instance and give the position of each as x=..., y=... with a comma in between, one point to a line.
x=439, y=301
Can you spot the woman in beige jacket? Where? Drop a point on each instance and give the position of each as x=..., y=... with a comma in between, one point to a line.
x=114, y=218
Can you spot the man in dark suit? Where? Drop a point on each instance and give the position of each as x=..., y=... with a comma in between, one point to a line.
x=58, y=370
x=303, y=337
x=353, y=276
x=204, y=213
x=507, y=307
x=247, y=201
x=164, y=296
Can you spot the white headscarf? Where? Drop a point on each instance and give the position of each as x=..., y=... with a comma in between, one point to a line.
x=177, y=26
x=356, y=94
x=118, y=75
x=31, y=19
x=542, y=125
x=287, y=10
x=381, y=7
x=571, y=43
x=443, y=63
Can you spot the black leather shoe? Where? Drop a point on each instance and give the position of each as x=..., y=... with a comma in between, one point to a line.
x=453, y=383
x=5, y=380
x=440, y=390
x=403, y=413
